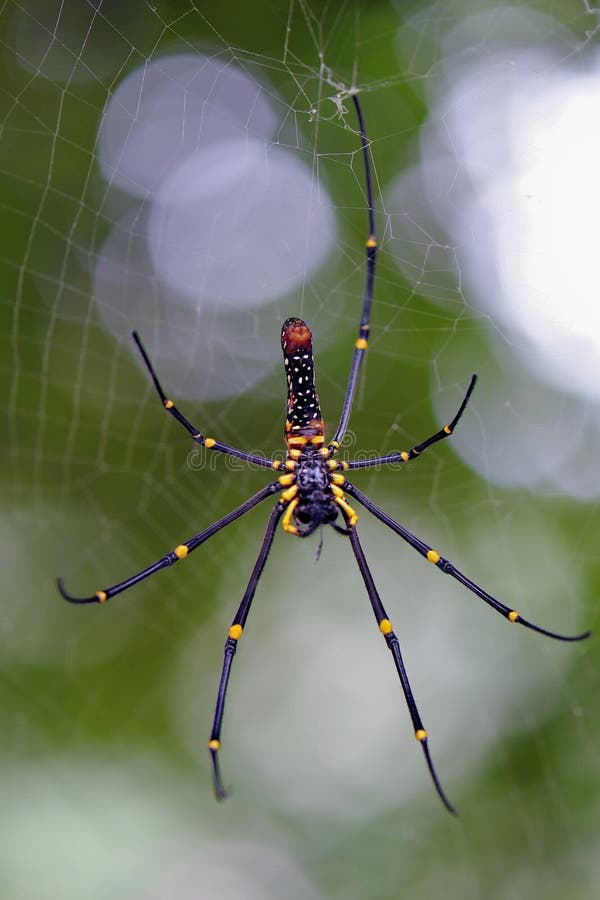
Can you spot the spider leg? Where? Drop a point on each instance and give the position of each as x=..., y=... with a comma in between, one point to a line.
x=406, y=456
x=180, y=552
x=340, y=530
x=234, y=634
x=385, y=627
x=446, y=566
x=208, y=442
x=360, y=345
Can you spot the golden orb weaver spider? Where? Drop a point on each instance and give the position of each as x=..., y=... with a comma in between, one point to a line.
x=313, y=492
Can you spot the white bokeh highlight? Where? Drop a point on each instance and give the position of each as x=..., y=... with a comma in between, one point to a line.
x=218, y=223
x=174, y=106
x=211, y=230
x=500, y=215
x=550, y=249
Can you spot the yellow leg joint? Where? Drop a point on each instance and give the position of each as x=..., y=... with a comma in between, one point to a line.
x=277, y=464
x=181, y=551
x=338, y=479
x=209, y=442
x=169, y=404
x=385, y=626
x=404, y=456
x=100, y=596
x=352, y=516
x=287, y=523
x=214, y=745
x=421, y=734
x=290, y=493
x=361, y=344
x=447, y=429
x=433, y=556
x=235, y=632
x=371, y=241
x=513, y=615
x=286, y=480
x=290, y=465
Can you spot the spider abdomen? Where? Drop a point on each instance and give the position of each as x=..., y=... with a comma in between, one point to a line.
x=304, y=417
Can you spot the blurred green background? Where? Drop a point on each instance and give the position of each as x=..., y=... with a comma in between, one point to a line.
x=105, y=710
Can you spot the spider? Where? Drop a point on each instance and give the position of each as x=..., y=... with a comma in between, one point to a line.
x=313, y=491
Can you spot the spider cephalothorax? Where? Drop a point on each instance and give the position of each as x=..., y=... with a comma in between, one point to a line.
x=315, y=494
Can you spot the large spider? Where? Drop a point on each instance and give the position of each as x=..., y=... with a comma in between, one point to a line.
x=313, y=492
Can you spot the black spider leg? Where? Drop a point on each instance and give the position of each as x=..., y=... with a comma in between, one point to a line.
x=446, y=566
x=180, y=552
x=371, y=254
x=385, y=626
x=233, y=636
x=208, y=442
x=406, y=456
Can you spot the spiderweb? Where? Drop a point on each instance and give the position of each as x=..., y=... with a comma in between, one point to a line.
x=197, y=175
